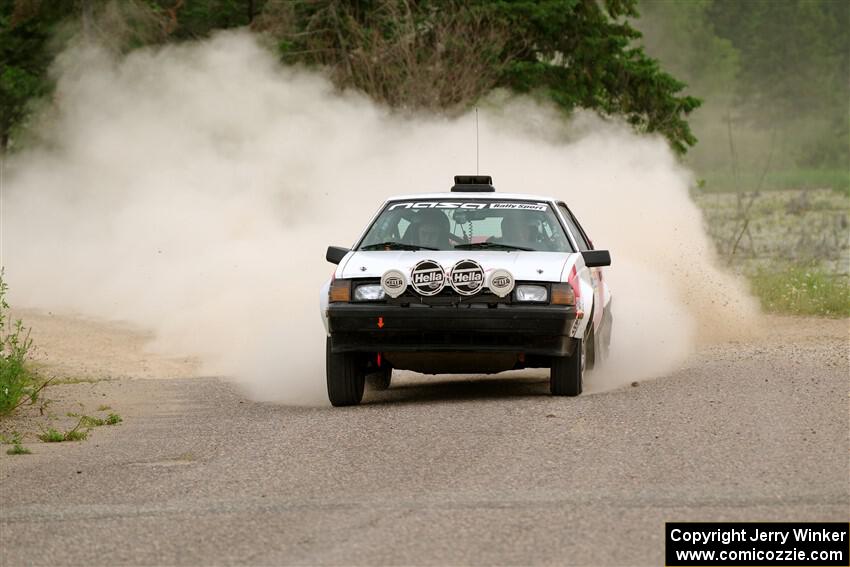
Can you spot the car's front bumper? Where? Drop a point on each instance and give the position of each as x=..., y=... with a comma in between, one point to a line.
x=533, y=329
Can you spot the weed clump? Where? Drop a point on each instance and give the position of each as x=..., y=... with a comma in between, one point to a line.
x=91, y=421
x=76, y=434
x=80, y=432
x=52, y=436
x=18, y=449
x=17, y=384
x=15, y=441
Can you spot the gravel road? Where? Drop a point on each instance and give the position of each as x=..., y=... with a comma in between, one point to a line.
x=471, y=470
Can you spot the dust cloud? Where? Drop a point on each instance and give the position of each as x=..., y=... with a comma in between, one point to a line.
x=192, y=190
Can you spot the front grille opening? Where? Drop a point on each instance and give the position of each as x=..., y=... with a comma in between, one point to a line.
x=450, y=340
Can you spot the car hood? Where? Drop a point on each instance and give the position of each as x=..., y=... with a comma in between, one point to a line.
x=524, y=266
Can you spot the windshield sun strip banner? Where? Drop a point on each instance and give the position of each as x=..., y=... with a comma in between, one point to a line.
x=469, y=205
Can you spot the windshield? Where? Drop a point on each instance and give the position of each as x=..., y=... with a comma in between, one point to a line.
x=466, y=224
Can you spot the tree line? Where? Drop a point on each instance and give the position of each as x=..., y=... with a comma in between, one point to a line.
x=767, y=60
x=774, y=76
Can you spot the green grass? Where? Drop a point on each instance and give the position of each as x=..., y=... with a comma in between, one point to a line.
x=799, y=290
x=725, y=181
x=113, y=419
x=18, y=449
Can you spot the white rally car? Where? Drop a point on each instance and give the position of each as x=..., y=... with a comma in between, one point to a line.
x=465, y=282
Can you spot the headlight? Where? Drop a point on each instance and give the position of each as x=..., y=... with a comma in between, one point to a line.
x=369, y=292
x=535, y=293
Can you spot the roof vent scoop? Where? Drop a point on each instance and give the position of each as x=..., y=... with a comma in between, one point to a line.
x=473, y=184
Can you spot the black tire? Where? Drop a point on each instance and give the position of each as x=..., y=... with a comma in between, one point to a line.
x=565, y=375
x=346, y=377
x=380, y=380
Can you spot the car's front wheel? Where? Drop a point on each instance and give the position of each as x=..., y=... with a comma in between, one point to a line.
x=346, y=377
x=565, y=375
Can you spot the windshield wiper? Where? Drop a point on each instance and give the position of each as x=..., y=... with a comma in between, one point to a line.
x=395, y=246
x=499, y=245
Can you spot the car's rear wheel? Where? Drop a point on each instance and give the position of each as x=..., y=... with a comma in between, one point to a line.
x=380, y=380
x=346, y=377
x=565, y=375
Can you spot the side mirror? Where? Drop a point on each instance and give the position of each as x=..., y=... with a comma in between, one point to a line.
x=596, y=258
x=335, y=254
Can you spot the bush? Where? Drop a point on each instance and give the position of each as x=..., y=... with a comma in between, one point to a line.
x=17, y=384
